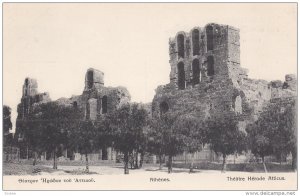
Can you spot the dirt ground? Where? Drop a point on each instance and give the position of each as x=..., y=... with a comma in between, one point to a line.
x=26, y=169
x=104, y=168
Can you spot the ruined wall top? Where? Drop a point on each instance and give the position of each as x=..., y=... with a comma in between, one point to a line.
x=93, y=79
x=205, y=54
x=30, y=87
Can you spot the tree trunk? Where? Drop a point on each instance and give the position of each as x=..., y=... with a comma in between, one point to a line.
x=160, y=162
x=263, y=161
x=142, y=159
x=27, y=156
x=136, y=160
x=224, y=163
x=126, y=170
x=170, y=164
x=34, y=159
x=87, y=163
x=11, y=153
x=54, y=159
x=192, y=164
x=294, y=160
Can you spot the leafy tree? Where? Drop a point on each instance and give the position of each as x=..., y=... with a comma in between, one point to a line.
x=225, y=137
x=123, y=136
x=155, y=139
x=7, y=125
x=172, y=134
x=55, y=123
x=138, y=118
x=173, y=138
x=32, y=134
x=83, y=138
x=275, y=132
x=126, y=123
x=193, y=134
x=259, y=143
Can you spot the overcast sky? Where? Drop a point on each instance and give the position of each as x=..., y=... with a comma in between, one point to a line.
x=57, y=43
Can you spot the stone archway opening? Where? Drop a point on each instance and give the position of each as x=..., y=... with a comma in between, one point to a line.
x=104, y=104
x=210, y=66
x=180, y=45
x=196, y=71
x=181, y=76
x=210, y=37
x=196, y=42
x=163, y=107
x=90, y=79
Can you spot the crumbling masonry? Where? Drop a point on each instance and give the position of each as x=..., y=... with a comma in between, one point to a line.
x=96, y=100
x=206, y=79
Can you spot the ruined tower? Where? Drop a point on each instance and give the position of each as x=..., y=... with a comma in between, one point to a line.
x=97, y=99
x=204, y=54
x=30, y=96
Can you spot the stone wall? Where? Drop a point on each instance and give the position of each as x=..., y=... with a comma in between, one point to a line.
x=96, y=100
x=227, y=90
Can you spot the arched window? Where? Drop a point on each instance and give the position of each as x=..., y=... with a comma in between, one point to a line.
x=210, y=66
x=164, y=107
x=180, y=45
x=26, y=86
x=238, y=105
x=195, y=41
x=75, y=105
x=181, y=75
x=210, y=38
x=104, y=104
x=98, y=106
x=196, y=71
x=90, y=79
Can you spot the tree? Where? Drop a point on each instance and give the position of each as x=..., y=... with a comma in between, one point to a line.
x=55, y=122
x=139, y=118
x=126, y=124
x=31, y=129
x=259, y=143
x=275, y=132
x=155, y=139
x=225, y=137
x=193, y=133
x=7, y=125
x=171, y=136
x=83, y=138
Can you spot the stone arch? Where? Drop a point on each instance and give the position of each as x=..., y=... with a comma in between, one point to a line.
x=99, y=106
x=196, y=41
x=75, y=104
x=180, y=45
x=238, y=105
x=209, y=38
x=210, y=66
x=196, y=71
x=104, y=104
x=90, y=79
x=163, y=107
x=26, y=86
x=181, y=75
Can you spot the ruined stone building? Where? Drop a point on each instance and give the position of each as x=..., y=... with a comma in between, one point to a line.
x=207, y=79
x=96, y=100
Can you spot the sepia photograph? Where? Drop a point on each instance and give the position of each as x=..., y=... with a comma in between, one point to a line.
x=150, y=96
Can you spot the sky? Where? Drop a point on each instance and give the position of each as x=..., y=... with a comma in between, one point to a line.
x=56, y=43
